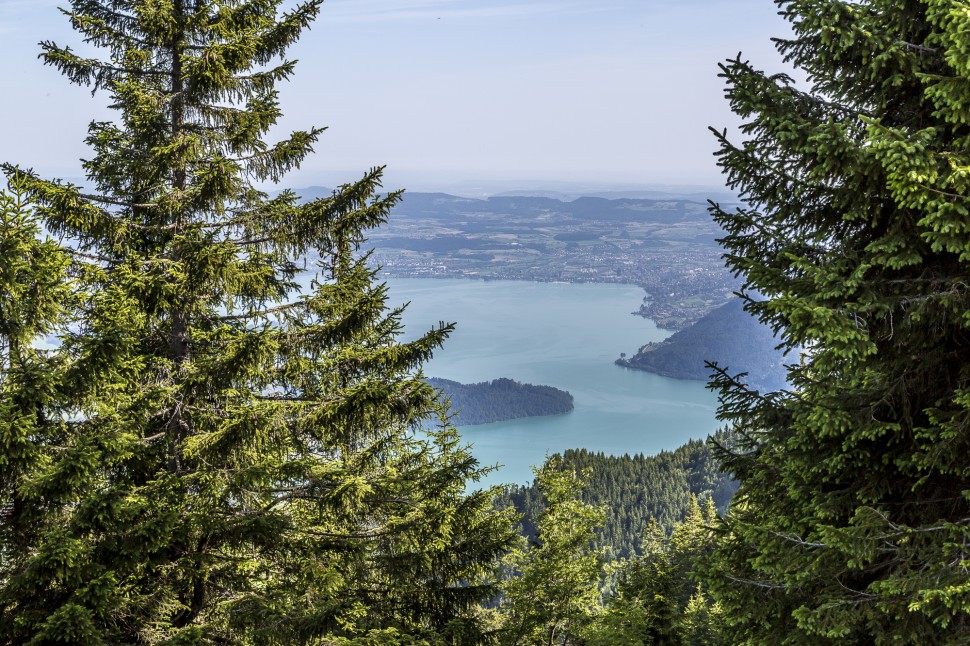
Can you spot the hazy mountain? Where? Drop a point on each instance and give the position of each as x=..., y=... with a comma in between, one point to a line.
x=615, y=208
x=441, y=205
x=729, y=336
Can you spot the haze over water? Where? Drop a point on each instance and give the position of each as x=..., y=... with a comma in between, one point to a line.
x=562, y=335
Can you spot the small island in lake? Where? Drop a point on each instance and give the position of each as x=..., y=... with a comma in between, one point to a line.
x=501, y=399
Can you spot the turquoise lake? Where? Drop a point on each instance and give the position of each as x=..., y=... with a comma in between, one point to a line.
x=562, y=335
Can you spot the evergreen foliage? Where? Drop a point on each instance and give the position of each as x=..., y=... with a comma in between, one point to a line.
x=210, y=456
x=635, y=491
x=501, y=399
x=658, y=598
x=34, y=294
x=852, y=520
x=552, y=591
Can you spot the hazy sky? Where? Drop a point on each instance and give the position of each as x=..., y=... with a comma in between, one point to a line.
x=443, y=91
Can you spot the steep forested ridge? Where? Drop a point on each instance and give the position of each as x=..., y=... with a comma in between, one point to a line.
x=659, y=596
x=635, y=490
x=581, y=534
x=728, y=336
x=551, y=592
x=501, y=399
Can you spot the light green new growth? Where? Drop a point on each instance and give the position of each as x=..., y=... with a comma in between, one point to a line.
x=552, y=591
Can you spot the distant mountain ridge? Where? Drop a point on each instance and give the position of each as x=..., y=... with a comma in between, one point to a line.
x=689, y=193
x=565, y=191
x=583, y=208
x=441, y=205
x=729, y=336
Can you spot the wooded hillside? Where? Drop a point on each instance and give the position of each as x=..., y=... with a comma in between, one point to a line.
x=635, y=490
x=728, y=336
x=501, y=399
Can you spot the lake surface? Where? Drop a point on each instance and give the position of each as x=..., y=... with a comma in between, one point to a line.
x=562, y=335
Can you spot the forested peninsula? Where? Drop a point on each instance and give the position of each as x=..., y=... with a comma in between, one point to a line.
x=728, y=336
x=501, y=399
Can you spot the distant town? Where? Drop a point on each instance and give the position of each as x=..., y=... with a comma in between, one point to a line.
x=667, y=247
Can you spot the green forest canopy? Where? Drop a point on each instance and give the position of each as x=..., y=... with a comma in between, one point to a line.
x=635, y=490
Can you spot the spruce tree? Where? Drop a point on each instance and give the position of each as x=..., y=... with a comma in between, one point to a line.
x=33, y=294
x=212, y=455
x=658, y=599
x=552, y=593
x=644, y=609
x=852, y=518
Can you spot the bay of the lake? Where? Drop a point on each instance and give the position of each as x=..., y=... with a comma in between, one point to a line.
x=562, y=335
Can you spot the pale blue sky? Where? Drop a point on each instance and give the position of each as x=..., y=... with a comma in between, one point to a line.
x=444, y=91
